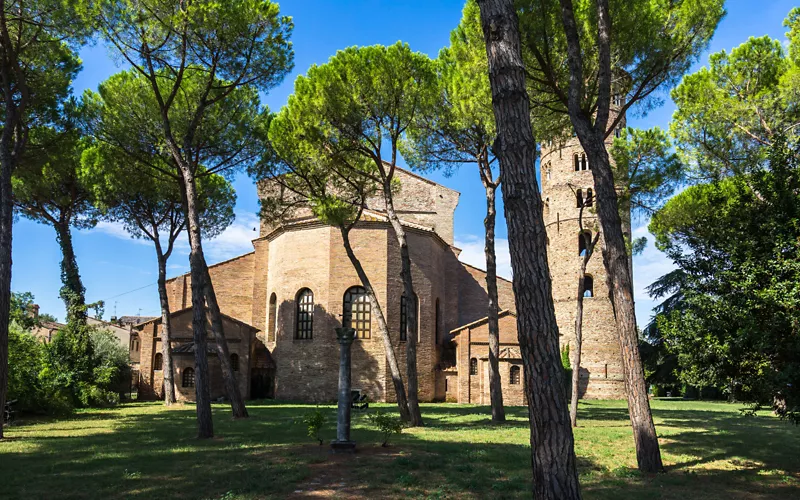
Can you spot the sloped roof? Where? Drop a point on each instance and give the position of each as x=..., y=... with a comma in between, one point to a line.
x=479, y=322
x=134, y=320
x=188, y=309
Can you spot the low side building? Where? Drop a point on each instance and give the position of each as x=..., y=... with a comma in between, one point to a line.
x=251, y=362
x=472, y=362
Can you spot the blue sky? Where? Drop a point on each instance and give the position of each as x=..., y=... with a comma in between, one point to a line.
x=123, y=272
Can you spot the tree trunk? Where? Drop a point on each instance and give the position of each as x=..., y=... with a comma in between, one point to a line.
x=615, y=258
x=394, y=368
x=552, y=454
x=231, y=386
x=411, y=309
x=166, y=329
x=495, y=384
x=205, y=425
x=72, y=290
x=199, y=265
x=6, y=224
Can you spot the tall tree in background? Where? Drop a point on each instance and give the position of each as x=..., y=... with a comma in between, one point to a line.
x=730, y=113
x=736, y=243
x=555, y=474
x=300, y=175
x=627, y=49
x=589, y=243
x=362, y=101
x=37, y=65
x=149, y=205
x=48, y=188
x=459, y=128
x=204, y=63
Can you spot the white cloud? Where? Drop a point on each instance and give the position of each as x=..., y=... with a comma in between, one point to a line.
x=472, y=253
x=234, y=241
x=117, y=230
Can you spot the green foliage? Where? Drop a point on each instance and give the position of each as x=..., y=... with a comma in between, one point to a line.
x=565, y=357
x=653, y=43
x=328, y=140
x=20, y=310
x=734, y=324
x=729, y=113
x=315, y=421
x=645, y=168
x=458, y=126
x=386, y=424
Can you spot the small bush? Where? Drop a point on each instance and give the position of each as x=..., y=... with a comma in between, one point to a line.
x=315, y=421
x=386, y=424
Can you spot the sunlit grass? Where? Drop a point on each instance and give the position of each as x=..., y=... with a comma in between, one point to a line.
x=143, y=450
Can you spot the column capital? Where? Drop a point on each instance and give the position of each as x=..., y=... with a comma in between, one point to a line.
x=345, y=335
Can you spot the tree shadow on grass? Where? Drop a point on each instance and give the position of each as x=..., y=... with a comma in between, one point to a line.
x=145, y=451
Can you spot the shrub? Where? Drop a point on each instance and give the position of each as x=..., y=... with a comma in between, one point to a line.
x=386, y=424
x=315, y=421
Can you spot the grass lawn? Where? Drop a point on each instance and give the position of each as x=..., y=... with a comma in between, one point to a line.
x=142, y=450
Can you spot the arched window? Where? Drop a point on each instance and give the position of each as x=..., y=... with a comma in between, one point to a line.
x=514, y=375
x=235, y=362
x=589, y=198
x=547, y=207
x=188, y=377
x=272, y=317
x=473, y=366
x=437, y=319
x=548, y=171
x=588, y=286
x=357, y=312
x=582, y=237
x=584, y=162
x=404, y=316
x=579, y=198
x=158, y=362
x=304, y=322
x=577, y=161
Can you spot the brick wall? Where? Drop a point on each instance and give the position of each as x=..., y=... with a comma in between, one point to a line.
x=601, y=361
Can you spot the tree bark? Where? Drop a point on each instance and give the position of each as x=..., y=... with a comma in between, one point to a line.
x=6, y=225
x=166, y=329
x=205, y=425
x=495, y=384
x=200, y=267
x=552, y=448
x=391, y=359
x=72, y=291
x=615, y=259
x=615, y=256
x=411, y=309
x=229, y=378
x=576, y=369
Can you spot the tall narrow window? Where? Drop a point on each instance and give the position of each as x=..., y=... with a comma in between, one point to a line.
x=188, y=377
x=589, y=198
x=357, y=312
x=582, y=237
x=579, y=198
x=588, y=286
x=577, y=161
x=437, y=320
x=547, y=207
x=235, y=362
x=548, y=171
x=514, y=375
x=404, y=305
x=304, y=323
x=473, y=366
x=584, y=162
x=158, y=363
x=272, y=317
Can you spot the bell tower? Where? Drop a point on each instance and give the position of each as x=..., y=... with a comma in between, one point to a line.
x=567, y=184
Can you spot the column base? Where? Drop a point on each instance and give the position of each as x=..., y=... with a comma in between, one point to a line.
x=343, y=446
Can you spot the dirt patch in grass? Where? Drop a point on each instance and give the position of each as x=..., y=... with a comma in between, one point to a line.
x=338, y=475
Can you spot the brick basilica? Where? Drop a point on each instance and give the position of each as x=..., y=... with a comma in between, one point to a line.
x=282, y=301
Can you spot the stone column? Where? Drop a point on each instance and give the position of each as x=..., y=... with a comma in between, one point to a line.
x=343, y=444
